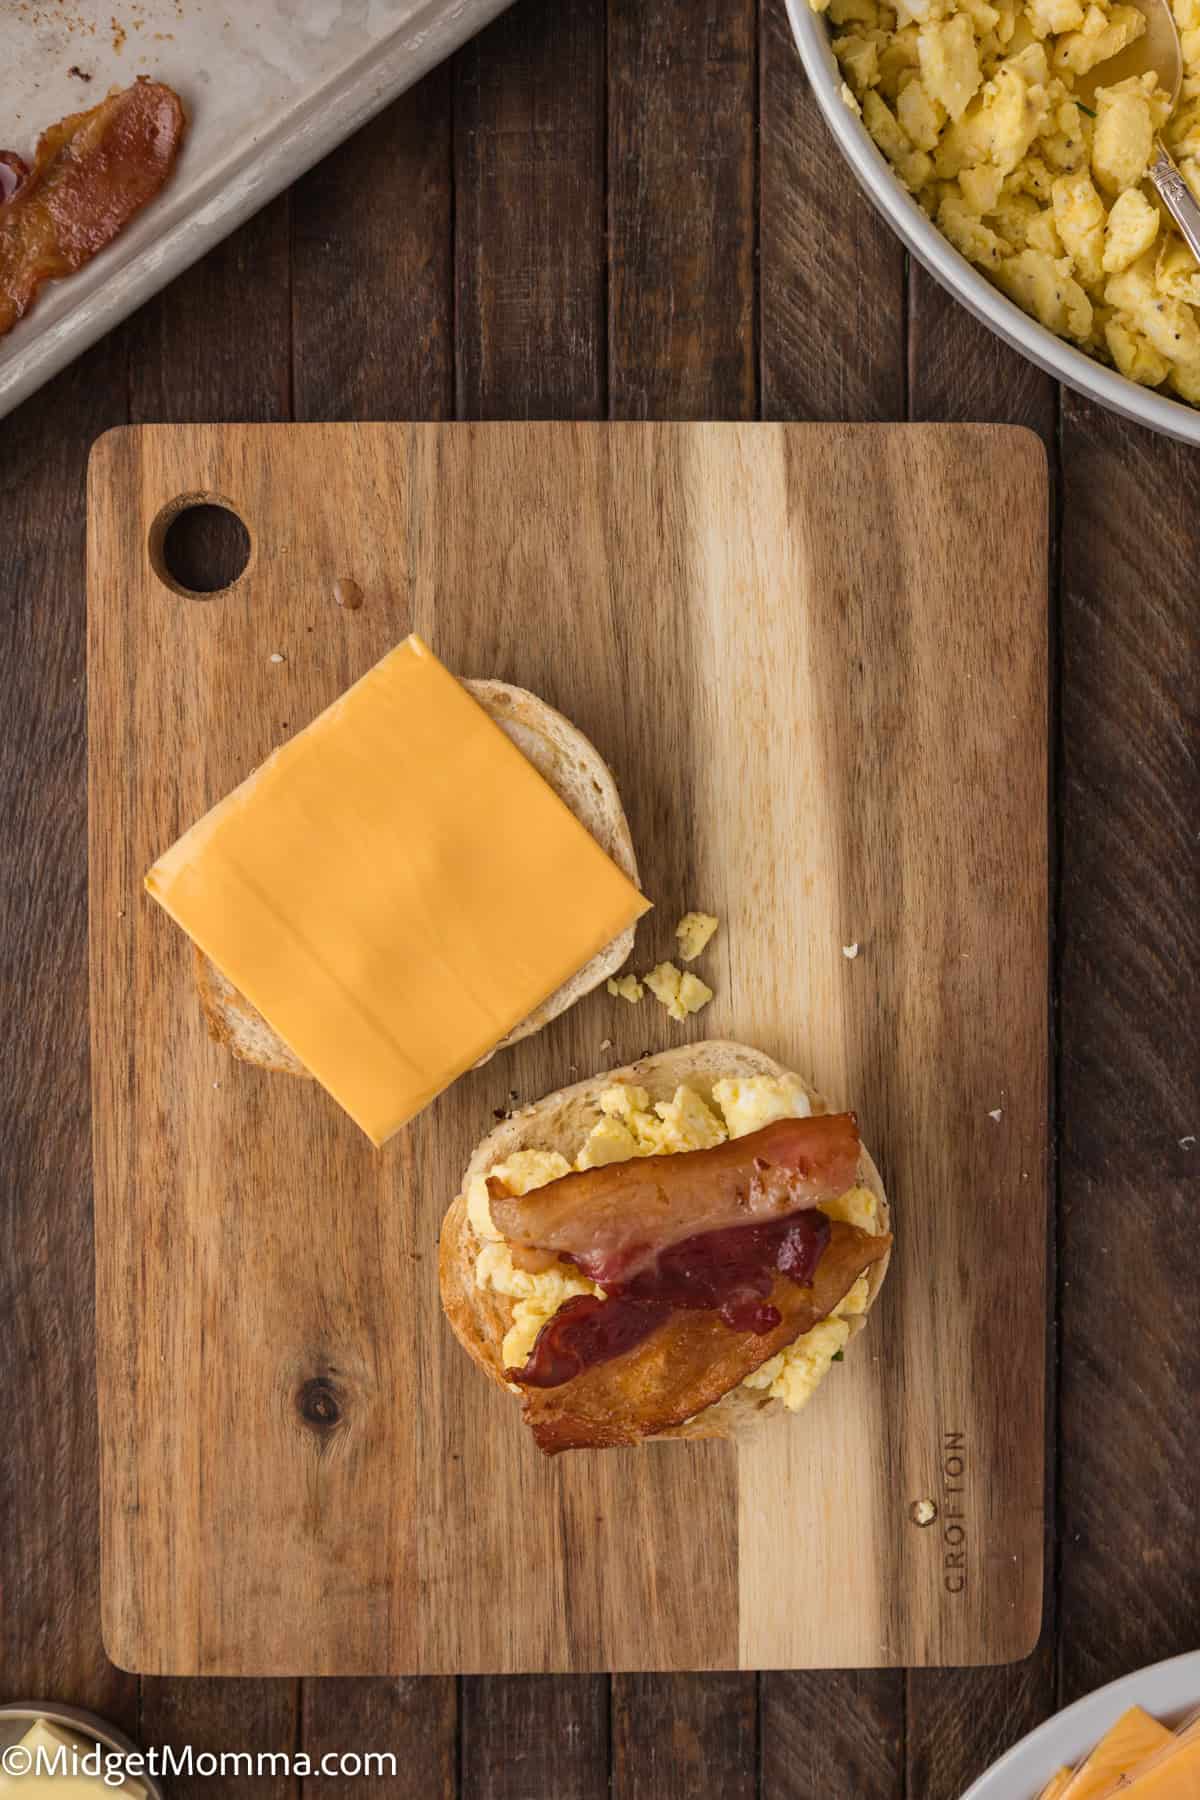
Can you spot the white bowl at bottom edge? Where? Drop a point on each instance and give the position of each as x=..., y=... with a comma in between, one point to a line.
x=919, y=234
x=1169, y=1690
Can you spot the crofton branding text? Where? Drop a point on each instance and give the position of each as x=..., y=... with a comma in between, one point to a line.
x=954, y=1529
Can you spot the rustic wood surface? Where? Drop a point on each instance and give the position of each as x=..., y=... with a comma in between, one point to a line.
x=341, y=301
x=894, y=738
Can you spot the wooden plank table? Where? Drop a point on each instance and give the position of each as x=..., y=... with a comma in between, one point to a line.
x=632, y=210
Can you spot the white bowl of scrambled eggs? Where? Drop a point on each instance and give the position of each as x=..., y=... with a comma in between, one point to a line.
x=985, y=146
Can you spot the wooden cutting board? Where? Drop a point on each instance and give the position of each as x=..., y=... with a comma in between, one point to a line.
x=816, y=658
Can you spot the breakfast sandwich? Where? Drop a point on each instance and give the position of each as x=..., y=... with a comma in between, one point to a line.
x=672, y=1249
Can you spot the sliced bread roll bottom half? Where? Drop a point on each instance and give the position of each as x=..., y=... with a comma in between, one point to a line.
x=481, y=1317
x=574, y=768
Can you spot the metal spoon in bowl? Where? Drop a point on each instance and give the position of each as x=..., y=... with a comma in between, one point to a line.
x=1158, y=49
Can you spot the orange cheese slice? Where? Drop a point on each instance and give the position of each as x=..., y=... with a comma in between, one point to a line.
x=1057, y=1786
x=1134, y=1737
x=1169, y=1773
x=394, y=889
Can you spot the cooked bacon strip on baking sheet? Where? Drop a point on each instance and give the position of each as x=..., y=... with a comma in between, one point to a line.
x=691, y=1359
x=92, y=172
x=615, y=1220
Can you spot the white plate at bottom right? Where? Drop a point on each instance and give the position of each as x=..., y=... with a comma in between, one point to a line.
x=1167, y=1690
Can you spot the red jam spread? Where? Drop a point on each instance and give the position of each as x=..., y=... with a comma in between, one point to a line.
x=730, y=1272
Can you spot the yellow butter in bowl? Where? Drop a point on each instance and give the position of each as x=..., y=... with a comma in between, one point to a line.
x=64, y=1765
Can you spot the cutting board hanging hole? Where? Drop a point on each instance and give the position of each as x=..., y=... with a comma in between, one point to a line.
x=199, y=546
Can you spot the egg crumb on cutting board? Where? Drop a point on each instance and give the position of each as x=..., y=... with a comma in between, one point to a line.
x=973, y=103
x=629, y=1126
x=678, y=990
x=695, y=932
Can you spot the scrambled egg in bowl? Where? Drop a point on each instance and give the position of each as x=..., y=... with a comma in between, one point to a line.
x=974, y=104
x=630, y=1127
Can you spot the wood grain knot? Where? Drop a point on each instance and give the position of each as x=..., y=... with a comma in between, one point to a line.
x=320, y=1404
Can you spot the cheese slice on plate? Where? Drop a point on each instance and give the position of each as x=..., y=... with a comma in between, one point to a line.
x=1058, y=1785
x=1134, y=1737
x=394, y=889
x=1170, y=1773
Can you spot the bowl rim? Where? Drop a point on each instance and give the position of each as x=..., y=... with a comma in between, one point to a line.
x=1143, y=406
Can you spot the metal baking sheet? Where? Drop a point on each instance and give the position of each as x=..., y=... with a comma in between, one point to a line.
x=270, y=88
